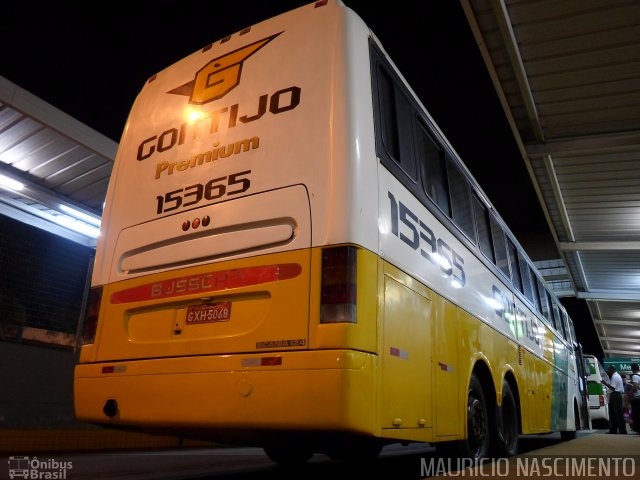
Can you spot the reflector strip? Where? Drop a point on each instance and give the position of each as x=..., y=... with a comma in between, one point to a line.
x=207, y=282
x=445, y=367
x=114, y=369
x=261, y=362
x=396, y=352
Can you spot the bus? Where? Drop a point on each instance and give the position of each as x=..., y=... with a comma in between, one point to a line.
x=293, y=256
x=598, y=395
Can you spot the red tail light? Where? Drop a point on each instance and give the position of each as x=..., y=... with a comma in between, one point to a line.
x=90, y=325
x=602, y=400
x=339, y=287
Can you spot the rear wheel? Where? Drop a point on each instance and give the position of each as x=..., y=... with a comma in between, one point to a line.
x=480, y=433
x=508, y=422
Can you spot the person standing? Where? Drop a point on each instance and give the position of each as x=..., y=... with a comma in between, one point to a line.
x=616, y=418
x=634, y=397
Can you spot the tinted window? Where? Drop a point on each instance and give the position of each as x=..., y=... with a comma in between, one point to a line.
x=460, y=200
x=483, y=228
x=534, y=290
x=565, y=324
x=499, y=248
x=526, y=278
x=389, y=121
x=432, y=169
x=557, y=320
x=515, y=266
x=395, y=121
x=544, y=305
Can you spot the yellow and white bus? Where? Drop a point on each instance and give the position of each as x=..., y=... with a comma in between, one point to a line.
x=293, y=256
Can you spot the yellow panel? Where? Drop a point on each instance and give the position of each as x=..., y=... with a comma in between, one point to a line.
x=446, y=369
x=544, y=383
x=150, y=325
x=309, y=390
x=406, y=358
x=265, y=312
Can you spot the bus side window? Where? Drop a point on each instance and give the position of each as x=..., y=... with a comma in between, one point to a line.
x=395, y=119
x=432, y=169
x=555, y=313
x=460, y=200
x=526, y=278
x=534, y=290
x=572, y=330
x=499, y=247
x=544, y=303
x=483, y=228
x=516, y=279
x=565, y=324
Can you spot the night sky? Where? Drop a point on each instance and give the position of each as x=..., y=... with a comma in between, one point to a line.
x=91, y=59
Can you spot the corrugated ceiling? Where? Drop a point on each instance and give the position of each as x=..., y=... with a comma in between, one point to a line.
x=568, y=75
x=63, y=166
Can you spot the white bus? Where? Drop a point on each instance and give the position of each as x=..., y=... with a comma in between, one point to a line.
x=293, y=256
x=597, y=393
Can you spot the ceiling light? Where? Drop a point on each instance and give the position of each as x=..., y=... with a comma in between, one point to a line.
x=10, y=183
x=77, y=226
x=80, y=215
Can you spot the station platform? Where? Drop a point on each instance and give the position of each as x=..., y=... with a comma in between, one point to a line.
x=594, y=444
x=592, y=454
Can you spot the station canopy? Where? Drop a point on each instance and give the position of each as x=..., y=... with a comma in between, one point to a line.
x=54, y=170
x=568, y=76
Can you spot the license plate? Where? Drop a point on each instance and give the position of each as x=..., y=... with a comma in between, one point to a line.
x=208, y=313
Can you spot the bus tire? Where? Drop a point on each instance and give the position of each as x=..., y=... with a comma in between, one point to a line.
x=507, y=415
x=288, y=457
x=480, y=433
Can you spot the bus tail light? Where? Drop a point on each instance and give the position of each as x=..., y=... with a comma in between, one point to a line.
x=602, y=400
x=338, y=287
x=90, y=324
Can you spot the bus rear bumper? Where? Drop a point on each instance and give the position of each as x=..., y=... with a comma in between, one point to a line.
x=323, y=390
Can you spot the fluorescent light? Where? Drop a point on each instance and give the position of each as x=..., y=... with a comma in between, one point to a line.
x=80, y=215
x=10, y=183
x=77, y=226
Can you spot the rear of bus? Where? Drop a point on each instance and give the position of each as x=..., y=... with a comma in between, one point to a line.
x=598, y=394
x=231, y=295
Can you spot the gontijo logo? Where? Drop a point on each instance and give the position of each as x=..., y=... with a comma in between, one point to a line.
x=220, y=75
x=212, y=82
